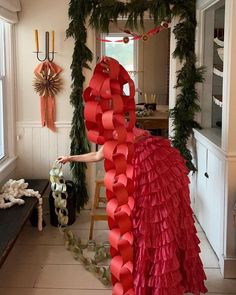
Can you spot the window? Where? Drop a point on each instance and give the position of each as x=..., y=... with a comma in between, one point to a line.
x=125, y=53
x=2, y=79
x=7, y=100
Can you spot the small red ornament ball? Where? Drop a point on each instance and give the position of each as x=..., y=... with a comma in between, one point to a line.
x=165, y=24
x=145, y=37
x=126, y=40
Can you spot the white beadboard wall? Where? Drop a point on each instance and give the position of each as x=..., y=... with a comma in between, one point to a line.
x=38, y=147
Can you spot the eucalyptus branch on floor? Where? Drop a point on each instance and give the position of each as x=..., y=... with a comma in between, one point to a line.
x=72, y=243
x=101, y=253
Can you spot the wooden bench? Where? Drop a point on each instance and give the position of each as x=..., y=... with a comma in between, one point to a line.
x=13, y=219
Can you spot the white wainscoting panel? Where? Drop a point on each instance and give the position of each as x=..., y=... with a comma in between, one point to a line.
x=37, y=149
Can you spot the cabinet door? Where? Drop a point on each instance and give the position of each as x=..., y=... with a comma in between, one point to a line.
x=200, y=207
x=192, y=189
x=215, y=202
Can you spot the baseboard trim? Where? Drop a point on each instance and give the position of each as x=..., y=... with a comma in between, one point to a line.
x=228, y=267
x=37, y=124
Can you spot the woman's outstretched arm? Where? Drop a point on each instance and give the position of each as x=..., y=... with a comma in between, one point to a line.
x=89, y=157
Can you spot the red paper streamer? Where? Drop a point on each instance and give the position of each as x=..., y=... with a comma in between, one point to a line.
x=106, y=110
x=164, y=25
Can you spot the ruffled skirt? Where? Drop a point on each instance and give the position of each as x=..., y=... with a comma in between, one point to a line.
x=166, y=251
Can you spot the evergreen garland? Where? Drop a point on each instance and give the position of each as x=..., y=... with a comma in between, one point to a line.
x=100, y=13
x=81, y=56
x=183, y=114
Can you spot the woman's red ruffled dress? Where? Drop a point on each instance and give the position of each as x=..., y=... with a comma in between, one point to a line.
x=166, y=250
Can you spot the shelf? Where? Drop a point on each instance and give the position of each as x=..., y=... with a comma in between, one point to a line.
x=211, y=135
x=219, y=42
x=218, y=100
x=217, y=72
x=220, y=52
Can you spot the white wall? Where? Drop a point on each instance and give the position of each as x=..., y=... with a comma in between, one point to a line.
x=154, y=65
x=45, y=16
x=37, y=147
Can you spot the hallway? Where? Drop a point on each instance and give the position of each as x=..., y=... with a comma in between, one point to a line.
x=40, y=265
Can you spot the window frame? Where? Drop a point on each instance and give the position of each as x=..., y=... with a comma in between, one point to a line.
x=121, y=35
x=2, y=79
x=8, y=162
x=135, y=77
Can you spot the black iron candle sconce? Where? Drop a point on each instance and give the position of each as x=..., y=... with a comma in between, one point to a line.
x=49, y=55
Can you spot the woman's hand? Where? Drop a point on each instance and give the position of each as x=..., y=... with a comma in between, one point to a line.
x=63, y=159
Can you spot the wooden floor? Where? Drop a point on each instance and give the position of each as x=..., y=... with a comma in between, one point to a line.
x=40, y=265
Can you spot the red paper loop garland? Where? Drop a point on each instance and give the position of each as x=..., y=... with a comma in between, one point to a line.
x=106, y=110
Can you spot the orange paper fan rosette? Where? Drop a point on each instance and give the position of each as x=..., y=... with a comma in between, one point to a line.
x=47, y=101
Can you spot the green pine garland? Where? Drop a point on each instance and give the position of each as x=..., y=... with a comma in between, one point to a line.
x=81, y=56
x=183, y=114
x=100, y=13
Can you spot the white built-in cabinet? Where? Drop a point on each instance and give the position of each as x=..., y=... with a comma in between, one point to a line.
x=213, y=187
x=209, y=203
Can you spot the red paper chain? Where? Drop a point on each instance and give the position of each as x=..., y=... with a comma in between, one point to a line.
x=106, y=110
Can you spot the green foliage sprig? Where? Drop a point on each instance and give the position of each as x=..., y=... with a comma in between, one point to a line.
x=100, y=13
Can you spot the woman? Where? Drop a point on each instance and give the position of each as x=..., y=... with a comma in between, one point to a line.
x=166, y=252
